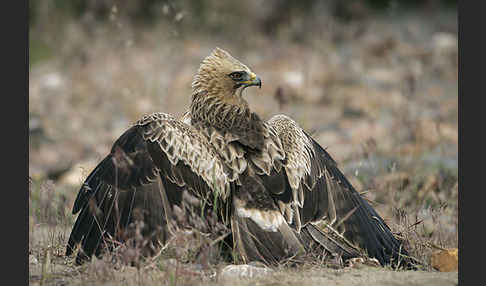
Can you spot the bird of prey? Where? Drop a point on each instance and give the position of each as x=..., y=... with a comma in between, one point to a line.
x=268, y=182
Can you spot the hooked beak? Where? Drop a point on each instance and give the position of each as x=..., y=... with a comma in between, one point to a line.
x=258, y=82
x=254, y=80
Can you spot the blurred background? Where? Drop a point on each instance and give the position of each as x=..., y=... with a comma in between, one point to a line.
x=375, y=82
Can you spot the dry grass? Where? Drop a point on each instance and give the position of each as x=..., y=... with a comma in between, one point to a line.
x=381, y=95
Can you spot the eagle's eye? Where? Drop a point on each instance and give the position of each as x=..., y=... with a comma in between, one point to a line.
x=238, y=75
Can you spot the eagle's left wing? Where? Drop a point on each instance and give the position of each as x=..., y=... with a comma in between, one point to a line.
x=149, y=168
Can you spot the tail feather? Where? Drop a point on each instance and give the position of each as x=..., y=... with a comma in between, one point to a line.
x=271, y=247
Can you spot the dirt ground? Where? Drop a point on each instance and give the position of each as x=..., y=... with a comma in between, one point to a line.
x=59, y=270
x=380, y=93
x=343, y=277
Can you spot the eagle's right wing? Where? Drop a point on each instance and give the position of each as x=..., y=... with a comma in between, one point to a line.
x=143, y=176
x=319, y=192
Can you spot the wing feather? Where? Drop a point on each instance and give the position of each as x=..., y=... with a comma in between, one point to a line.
x=147, y=170
x=320, y=192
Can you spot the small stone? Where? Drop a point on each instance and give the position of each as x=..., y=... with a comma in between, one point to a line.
x=243, y=271
x=33, y=260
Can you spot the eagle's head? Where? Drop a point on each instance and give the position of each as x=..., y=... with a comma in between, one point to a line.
x=222, y=76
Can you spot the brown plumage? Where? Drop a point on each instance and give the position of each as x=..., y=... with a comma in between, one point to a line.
x=268, y=182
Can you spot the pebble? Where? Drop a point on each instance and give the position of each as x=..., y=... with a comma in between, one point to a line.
x=33, y=260
x=243, y=271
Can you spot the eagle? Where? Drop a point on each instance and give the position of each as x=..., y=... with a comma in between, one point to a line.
x=276, y=189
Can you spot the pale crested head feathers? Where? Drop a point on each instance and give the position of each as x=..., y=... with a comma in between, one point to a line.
x=213, y=74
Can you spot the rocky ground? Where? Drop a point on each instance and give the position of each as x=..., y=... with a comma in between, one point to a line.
x=380, y=94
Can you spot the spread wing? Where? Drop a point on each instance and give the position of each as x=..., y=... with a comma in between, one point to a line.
x=145, y=173
x=312, y=189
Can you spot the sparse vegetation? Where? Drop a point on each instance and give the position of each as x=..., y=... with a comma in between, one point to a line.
x=378, y=89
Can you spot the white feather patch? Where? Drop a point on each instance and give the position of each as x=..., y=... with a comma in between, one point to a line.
x=266, y=220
